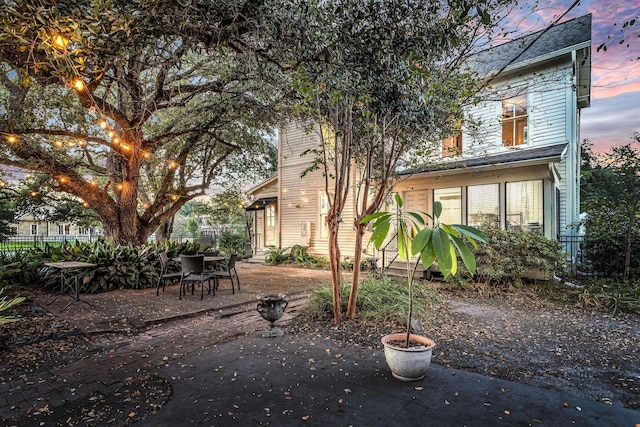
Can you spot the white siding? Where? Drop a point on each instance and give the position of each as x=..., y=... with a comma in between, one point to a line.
x=299, y=199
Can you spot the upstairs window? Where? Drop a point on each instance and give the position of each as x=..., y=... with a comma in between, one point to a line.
x=452, y=146
x=514, y=121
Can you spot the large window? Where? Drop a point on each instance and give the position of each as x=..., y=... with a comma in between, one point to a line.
x=483, y=204
x=64, y=229
x=525, y=209
x=514, y=121
x=451, y=200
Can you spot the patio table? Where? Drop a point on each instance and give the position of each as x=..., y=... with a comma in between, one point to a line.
x=67, y=283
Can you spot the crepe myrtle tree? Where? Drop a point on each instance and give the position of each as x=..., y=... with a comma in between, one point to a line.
x=389, y=84
x=134, y=108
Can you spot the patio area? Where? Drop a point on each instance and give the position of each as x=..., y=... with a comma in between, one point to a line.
x=122, y=310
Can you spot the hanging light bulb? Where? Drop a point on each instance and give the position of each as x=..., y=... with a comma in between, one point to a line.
x=60, y=42
x=110, y=134
x=85, y=204
x=103, y=124
x=174, y=197
x=172, y=165
x=58, y=143
x=78, y=84
x=33, y=194
x=12, y=139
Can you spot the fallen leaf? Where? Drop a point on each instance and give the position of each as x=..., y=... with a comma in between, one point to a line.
x=507, y=412
x=419, y=388
x=305, y=417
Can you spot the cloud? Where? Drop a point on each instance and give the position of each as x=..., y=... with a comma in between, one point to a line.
x=611, y=121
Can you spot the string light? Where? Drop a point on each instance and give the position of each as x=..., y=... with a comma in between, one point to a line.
x=60, y=42
x=119, y=187
x=78, y=84
x=172, y=165
x=62, y=179
x=103, y=124
x=33, y=194
x=12, y=138
x=85, y=204
x=173, y=197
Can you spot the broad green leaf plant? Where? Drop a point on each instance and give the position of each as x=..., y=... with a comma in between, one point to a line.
x=423, y=237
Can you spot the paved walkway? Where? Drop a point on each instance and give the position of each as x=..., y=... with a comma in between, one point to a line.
x=222, y=372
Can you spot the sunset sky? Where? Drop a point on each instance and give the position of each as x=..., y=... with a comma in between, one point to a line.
x=615, y=85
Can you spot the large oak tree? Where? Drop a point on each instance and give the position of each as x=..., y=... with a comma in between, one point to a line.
x=133, y=107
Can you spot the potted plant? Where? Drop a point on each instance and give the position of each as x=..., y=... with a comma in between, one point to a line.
x=424, y=237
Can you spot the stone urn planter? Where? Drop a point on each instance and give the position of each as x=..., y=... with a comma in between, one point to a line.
x=408, y=364
x=271, y=307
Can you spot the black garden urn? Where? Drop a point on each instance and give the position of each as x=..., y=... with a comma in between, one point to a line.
x=271, y=308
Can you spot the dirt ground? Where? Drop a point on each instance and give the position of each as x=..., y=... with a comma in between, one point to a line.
x=521, y=338
x=514, y=336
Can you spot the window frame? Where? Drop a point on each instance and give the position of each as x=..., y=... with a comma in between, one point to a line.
x=530, y=226
x=518, y=136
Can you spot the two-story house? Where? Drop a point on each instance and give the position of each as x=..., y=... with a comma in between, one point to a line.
x=518, y=168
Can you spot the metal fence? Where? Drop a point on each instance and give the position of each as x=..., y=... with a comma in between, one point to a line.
x=16, y=243
x=601, y=257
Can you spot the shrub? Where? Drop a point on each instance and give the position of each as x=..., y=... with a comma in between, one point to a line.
x=379, y=300
x=275, y=255
x=231, y=243
x=117, y=266
x=511, y=253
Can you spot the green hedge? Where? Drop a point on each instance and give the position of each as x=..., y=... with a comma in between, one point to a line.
x=514, y=254
x=118, y=266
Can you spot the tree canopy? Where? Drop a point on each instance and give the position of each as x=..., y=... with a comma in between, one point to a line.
x=134, y=108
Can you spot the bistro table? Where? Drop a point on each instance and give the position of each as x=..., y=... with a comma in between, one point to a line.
x=69, y=283
x=208, y=260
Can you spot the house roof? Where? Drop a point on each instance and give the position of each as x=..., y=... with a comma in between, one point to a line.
x=542, y=154
x=554, y=41
x=261, y=204
x=263, y=184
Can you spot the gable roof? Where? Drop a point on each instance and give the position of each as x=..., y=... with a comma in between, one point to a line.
x=544, y=154
x=536, y=47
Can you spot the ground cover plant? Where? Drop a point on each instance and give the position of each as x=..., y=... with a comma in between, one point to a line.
x=118, y=266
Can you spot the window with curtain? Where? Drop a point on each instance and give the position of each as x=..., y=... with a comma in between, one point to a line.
x=525, y=205
x=514, y=120
x=483, y=204
x=451, y=200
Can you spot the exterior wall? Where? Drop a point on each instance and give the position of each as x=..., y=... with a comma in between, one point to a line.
x=553, y=118
x=300, y=198
x=551, y=106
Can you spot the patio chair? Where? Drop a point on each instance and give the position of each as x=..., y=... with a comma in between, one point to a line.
x=165, y=274
x=209, y=253
x=193, y=271
x=229, y=273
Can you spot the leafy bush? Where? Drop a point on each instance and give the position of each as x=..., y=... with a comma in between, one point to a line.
x=610, y=295
x=275, y=255
x=379, y=300
x=117, y=266
x=231, y=243
x=511, y=254
x=297, y=255
x=5, y=304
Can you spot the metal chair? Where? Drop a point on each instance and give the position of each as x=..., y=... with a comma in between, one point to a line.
x=230, y=273
x=193, y=271
x=165, y=274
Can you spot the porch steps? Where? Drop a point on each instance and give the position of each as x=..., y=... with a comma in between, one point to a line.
x=257, y=258
x=399, y=269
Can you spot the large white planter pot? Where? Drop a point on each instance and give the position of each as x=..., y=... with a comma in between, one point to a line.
x=408, y=364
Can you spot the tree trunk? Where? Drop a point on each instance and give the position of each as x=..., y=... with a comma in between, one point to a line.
x=334, y=266
x=164, y=231
x=355, y=280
